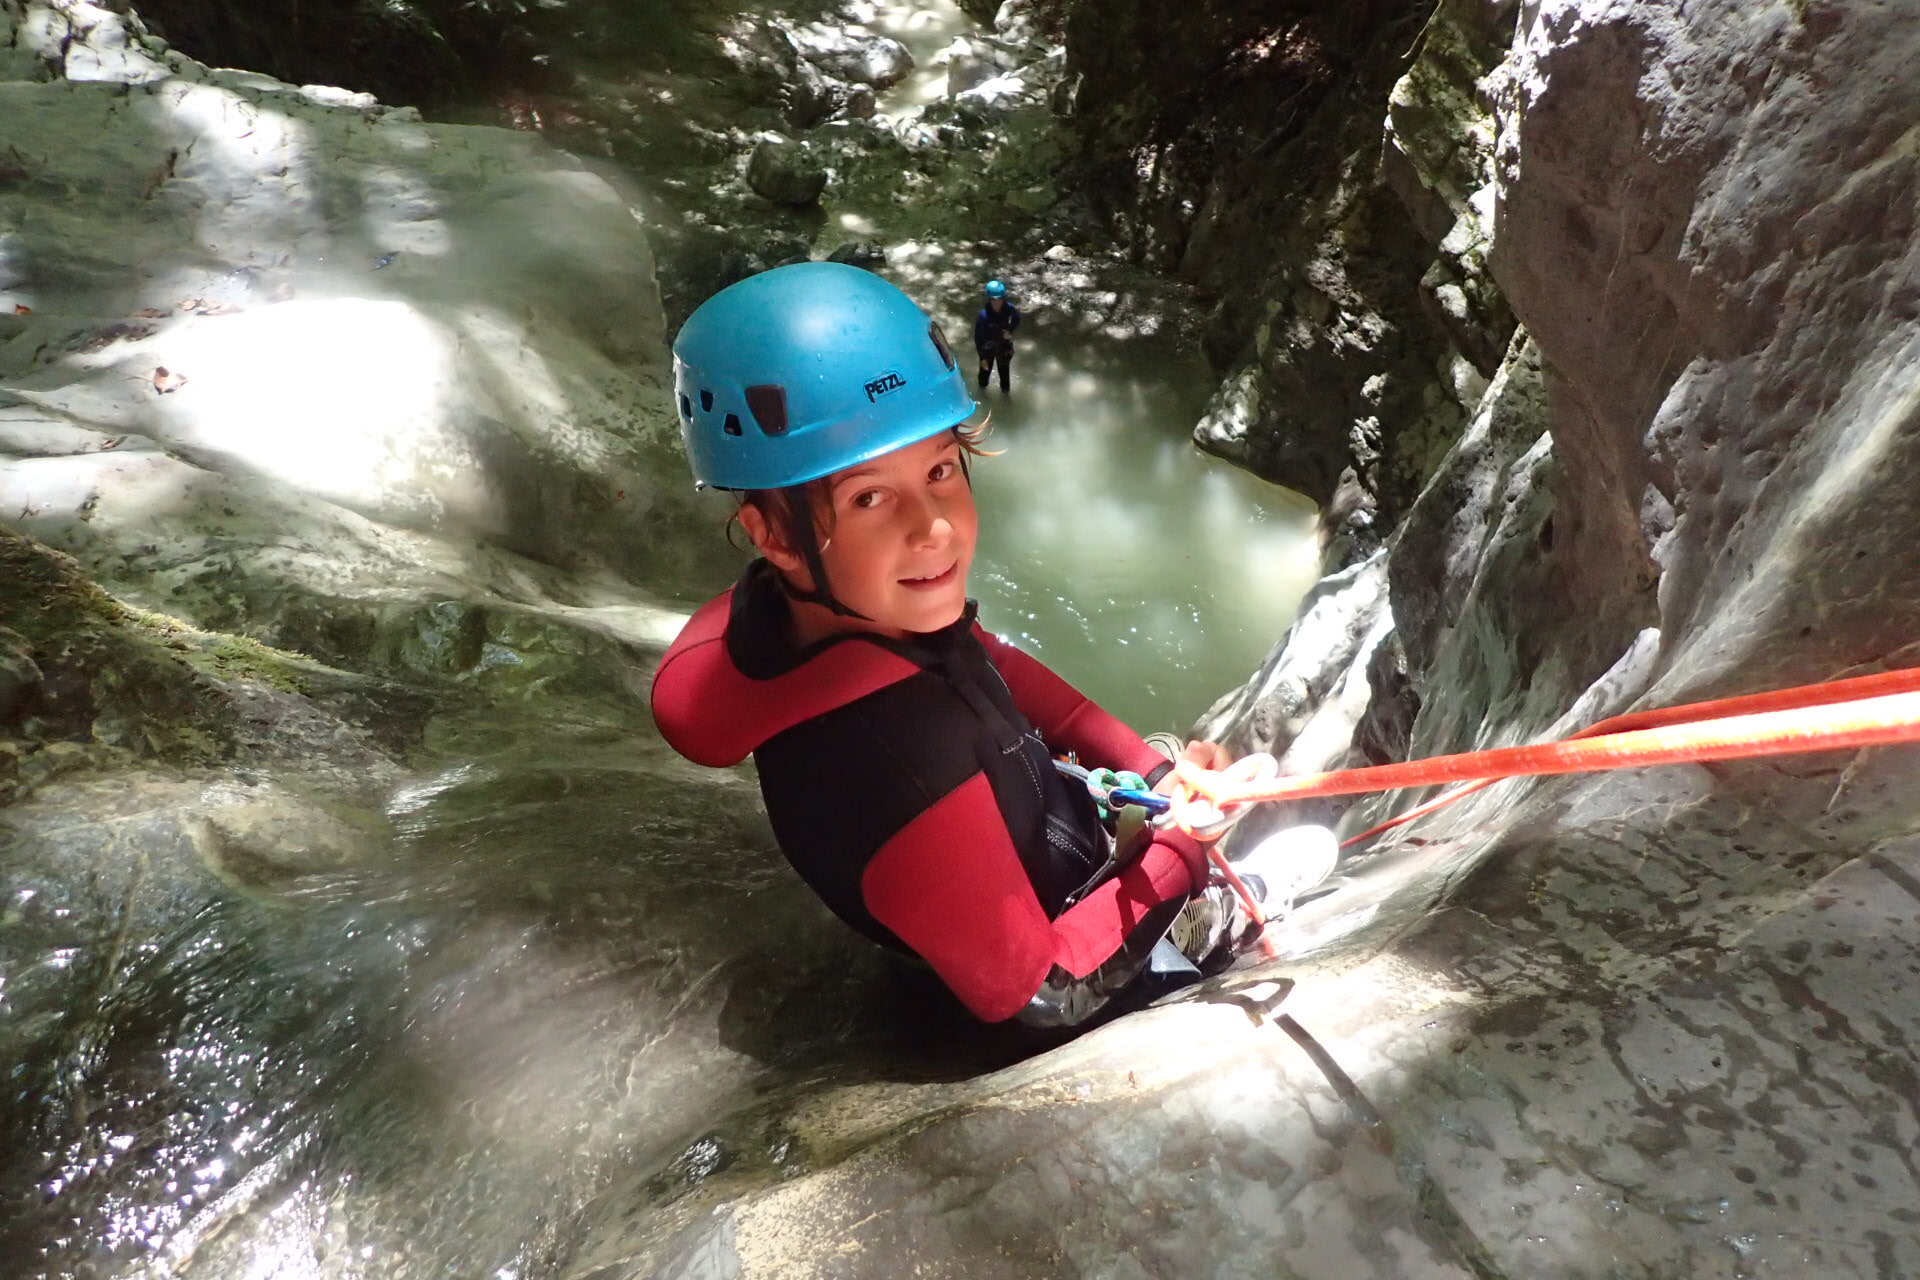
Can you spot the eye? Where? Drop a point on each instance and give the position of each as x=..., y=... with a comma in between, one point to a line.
x=866, y=499
x=945, y=469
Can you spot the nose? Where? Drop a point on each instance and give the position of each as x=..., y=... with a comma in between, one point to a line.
x=928, y=522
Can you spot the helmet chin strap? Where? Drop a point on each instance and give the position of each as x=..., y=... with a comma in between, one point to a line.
x=810, y=548
x=822, y=593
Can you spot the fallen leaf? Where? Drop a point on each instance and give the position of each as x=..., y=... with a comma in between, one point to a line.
x=165, y=381
x=20, y=310
x=151, y=313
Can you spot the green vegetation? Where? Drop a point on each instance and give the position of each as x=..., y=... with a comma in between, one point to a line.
x=90, y=680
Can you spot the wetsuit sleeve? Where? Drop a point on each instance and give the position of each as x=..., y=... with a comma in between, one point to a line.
x=951, y=886
x=1013, y=317
x=982, y=331
x=1067, y=718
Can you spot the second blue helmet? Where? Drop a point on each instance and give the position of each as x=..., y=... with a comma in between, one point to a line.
x=808, y=369
x=995, y=289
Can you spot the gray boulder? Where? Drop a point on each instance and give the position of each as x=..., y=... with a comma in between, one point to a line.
x=786, y=172
x=764, y=55
x=969, y=65
x=860, y=253
x=879, y=62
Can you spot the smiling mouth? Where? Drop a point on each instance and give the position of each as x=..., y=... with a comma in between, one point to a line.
x=937, y=580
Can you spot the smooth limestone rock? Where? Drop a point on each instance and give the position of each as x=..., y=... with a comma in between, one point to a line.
x=278, y=362
x=1306, y=702
x=263, y=341
x=1686, y=481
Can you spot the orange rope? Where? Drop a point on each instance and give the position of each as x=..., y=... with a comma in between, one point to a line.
x=1905, y=680
x=1794, y=723
x=1863, y=711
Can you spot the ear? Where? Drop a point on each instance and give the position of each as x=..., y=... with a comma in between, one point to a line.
x=769, y=543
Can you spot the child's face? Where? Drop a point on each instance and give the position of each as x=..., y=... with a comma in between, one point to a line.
x=900, y=538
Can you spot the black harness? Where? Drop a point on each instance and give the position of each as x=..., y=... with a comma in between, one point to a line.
x=839, y=784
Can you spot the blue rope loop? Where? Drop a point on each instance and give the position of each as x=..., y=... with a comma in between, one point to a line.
x=1115, y=790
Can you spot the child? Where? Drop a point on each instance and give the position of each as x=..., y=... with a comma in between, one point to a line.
x=905, y=754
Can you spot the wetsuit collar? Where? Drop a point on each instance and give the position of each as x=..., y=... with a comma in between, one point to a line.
x=759, y=642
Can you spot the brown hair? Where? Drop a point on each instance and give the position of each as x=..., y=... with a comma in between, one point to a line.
x=795, y=513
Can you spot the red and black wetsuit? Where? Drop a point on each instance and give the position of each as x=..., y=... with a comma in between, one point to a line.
x=911, y=784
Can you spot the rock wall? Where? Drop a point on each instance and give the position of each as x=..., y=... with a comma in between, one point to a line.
x=1243, y=148
x=1687, y=480
x=285, y=365
x=1637, y=482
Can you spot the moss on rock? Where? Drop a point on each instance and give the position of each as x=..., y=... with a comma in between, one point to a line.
x=102, y=681
x=86, y=681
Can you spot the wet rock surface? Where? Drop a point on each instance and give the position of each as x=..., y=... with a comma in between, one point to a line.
x=338, y=962
x=1672, y=1059
x=299, y=382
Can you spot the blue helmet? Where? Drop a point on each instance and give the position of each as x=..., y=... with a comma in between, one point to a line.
x=807, y=369
x=995, y=289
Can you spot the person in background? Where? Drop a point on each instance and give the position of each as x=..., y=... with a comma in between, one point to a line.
x=992, y=336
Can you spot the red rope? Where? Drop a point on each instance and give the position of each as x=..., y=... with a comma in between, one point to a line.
x=1255, y=915
x=1903, y=681
x=1788, y=721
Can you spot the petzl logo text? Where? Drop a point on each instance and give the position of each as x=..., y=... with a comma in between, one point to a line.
x=884, y=383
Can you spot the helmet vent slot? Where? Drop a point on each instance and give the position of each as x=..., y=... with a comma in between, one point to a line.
x=686, y=408
x=768, y=404
x=706, y=400
x=732, y=424
x=940, y=344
